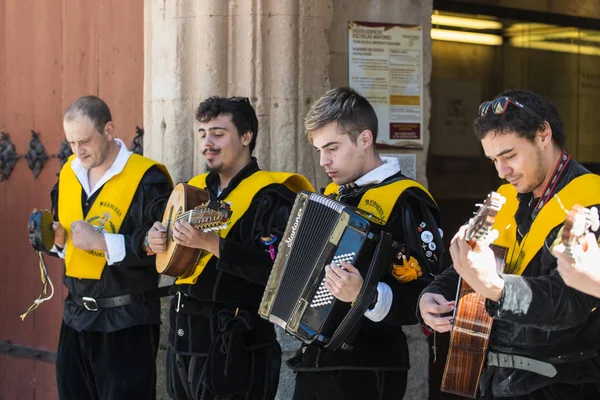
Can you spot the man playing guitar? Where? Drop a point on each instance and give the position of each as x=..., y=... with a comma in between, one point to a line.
x=544, y=336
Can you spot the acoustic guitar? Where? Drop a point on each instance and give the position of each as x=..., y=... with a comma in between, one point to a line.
x=472, y=324
x=193, y=205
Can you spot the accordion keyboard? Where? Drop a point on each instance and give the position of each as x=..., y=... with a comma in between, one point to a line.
x=322, y=296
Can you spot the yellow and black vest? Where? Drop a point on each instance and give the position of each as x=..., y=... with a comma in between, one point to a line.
x=240, y=199
x=106, y=214
x=379, y=202
x=583, y=190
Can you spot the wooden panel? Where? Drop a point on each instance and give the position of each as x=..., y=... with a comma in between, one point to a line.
x=3, y=196
x=45, y=381
x=120, y=63
x=51, y=54
x=17, y=381
x=79, y=50
x=19, y=119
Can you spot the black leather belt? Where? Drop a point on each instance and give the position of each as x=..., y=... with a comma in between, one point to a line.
x=93, y=304
x=504, y=360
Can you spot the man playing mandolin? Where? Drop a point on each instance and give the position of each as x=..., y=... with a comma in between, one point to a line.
x=545, y=335
x=581, y=272
x=218, y=345
x=109, y=335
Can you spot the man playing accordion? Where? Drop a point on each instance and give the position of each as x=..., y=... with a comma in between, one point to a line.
x=342, y=125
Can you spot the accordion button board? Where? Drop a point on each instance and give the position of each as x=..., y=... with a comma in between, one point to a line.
x=323, y=297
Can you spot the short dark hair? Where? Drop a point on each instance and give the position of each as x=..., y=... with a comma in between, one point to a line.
x=352, y=112
x=516, y=120
x=242, y=114
x=91, y=107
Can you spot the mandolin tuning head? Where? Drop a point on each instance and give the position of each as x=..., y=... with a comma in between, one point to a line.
x=594, y=219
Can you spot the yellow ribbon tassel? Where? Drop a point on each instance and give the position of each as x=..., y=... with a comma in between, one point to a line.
x=45, y=281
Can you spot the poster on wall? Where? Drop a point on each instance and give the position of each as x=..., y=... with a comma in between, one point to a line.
x=385, y=64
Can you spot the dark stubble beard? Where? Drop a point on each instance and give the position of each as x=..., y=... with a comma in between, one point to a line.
x=103, y=154
x=212, y=169
x=540, y=172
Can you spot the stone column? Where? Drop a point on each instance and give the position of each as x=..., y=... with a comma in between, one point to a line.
x=272, y=51
x=279, y=53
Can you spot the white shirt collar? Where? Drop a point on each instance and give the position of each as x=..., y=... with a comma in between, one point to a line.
x=390, y=166
x=116, y=168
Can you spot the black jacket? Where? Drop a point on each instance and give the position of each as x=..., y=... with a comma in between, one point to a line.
x=382, y=345
x=135, y=274
x=538, y=315
x=238, y=278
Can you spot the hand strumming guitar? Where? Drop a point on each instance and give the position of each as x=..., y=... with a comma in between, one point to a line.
x=186, y=235
x=433, y=306
x=156, y=239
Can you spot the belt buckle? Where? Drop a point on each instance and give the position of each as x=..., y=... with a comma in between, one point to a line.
x=178, y=301
x=493, y=359
x=90, y=304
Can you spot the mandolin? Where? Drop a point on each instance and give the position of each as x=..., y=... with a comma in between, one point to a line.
x=193, y=205
x=472, y=324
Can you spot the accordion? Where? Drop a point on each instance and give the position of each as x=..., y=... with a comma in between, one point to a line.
x=321, y=231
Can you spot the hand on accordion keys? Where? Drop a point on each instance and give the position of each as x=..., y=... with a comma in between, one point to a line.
x=343, y=281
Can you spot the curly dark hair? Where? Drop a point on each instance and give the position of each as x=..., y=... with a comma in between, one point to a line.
x=242, y=114
x=516, y=120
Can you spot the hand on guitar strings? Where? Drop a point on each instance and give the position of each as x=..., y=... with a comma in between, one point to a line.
x=582, y=271
x=344, y=282
x=434, y=309
x=186, y=235
x=156, y=241
x=477, y=266
x=60, y=236
x=85, y=237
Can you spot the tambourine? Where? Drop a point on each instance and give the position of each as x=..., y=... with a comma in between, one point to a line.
x=41, y=234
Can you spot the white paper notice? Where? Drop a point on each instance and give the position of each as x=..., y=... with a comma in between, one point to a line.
x=386, y=66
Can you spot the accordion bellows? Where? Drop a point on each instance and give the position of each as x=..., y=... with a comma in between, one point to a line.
x=321, y=231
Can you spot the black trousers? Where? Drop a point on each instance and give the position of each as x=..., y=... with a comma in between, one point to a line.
x=118, y=365
x=185, y=375
x=558, y=391
x=350, y=385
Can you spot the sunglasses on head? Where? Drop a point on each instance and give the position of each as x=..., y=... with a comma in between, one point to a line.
x=499, y=106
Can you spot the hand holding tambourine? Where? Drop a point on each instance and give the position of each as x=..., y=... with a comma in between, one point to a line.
x=42, y=236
